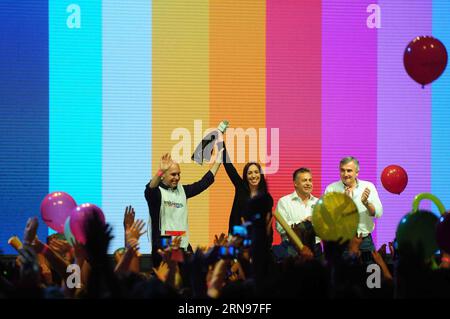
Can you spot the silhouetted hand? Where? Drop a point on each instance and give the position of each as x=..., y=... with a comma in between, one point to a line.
x=162, y=271
x=334, y=250
x=128, y=217
x=79, y=251
x=237, y=273
x=380, y=262
x=98, y=237
x=353, y=246
x=29, y=233
x=221, y=240
x=382, y=251
x=29, y=267
x=392, y=250
x=176, y=242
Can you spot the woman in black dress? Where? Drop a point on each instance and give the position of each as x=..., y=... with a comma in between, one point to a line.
x=251, y=197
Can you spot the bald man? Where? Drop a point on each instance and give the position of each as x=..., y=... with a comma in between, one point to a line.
x=167, y=201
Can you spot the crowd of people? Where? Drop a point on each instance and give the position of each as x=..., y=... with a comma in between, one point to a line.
x=241, y=264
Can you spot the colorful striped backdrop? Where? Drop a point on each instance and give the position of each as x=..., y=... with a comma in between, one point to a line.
x=92, y=92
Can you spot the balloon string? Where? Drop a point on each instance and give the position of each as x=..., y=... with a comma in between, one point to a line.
x=291, y=234
x=431, y=197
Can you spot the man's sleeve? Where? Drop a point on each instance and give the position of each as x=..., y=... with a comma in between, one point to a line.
x=152, y=194
x=374, y=199
x=282, y=211
x=153, y=198
x=196, y=188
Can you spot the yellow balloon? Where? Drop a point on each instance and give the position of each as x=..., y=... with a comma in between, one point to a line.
x=335, y=216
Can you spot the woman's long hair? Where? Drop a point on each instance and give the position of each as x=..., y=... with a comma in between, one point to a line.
x=262, y=186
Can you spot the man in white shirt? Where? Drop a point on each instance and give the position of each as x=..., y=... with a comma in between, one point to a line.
x=297, y=207
x=365, y=196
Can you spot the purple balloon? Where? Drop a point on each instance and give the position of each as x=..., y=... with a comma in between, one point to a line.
x=55, y=208
x=79, y=216
x=443, y=233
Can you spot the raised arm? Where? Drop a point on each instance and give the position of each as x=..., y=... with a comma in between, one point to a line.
x=217, y=160
x=230, y=169
x=196, y=188
x=30, y=239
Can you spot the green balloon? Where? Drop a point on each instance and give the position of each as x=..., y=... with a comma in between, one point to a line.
x=417, y=232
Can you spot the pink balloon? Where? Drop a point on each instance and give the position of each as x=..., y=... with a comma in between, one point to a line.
x=78, y=218
x=55, y=208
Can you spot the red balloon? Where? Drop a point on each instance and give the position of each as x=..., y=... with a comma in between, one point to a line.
x=394, y=179
x=425, y=59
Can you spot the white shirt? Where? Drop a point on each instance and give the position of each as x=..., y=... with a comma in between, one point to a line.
x=366, y=224
x=174, y=213
x=292, y=208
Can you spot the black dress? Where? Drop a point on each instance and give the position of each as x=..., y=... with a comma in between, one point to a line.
x=241, y=201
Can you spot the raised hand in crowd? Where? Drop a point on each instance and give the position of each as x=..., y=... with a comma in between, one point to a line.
x=102, y=282
x=98, y=237
x=221, y=240
x=79, y=253
x=392, y=250
x=46, y=273
x=132, y=249
x=29, y=234
x=133, y=230
x=217, y=280
x=29, y=266
x=378, y=258
x=61, y=247
x=136, y=230
x=162, y=271
x=382, y=252
x=128, y=217
x=353, y=246
x=173, y=276
x=80, y=258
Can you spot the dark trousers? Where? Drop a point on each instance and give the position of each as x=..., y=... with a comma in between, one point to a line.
x=366, y=248
x=286, y=249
